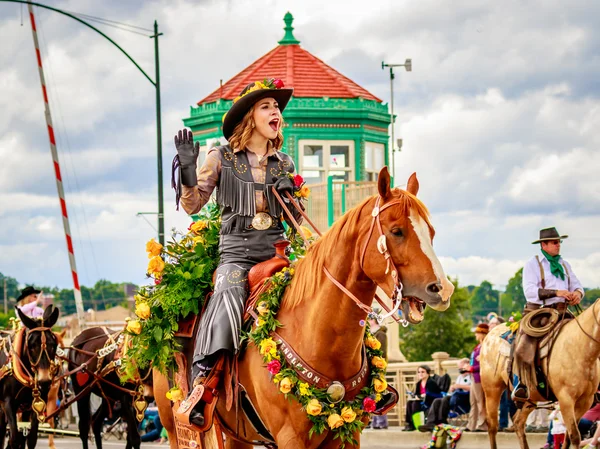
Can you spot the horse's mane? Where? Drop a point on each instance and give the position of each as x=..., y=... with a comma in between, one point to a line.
x=309, y=269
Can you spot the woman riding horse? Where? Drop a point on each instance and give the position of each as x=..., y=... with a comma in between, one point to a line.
x=244, y=172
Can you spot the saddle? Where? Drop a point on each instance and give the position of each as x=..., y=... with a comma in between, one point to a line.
x=207, y=391
x=533, y=345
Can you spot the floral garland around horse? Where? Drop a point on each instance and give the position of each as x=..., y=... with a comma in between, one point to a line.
x=182, y=277
x=342, y=418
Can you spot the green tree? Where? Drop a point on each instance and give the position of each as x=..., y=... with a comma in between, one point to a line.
x=513, y=298
x=590, y=297
x=448, y=331
x=484, y=300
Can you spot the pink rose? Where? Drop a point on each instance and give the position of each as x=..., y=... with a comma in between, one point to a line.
x=274, y=366
x=369, y=405
x=278, y=83
x=298, y=180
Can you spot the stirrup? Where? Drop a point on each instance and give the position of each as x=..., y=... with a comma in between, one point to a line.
x=520, y=393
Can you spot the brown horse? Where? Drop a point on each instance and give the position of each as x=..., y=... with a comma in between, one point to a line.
x=103, y=382
x=54, y=392
x=322, y=323
x=573, y=372
x=31, y=354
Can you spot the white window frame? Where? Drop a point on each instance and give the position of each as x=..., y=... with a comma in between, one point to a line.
x=373, y=173
x=326, y=168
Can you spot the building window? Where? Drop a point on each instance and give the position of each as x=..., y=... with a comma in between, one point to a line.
x=322, y=158
x=374, y=159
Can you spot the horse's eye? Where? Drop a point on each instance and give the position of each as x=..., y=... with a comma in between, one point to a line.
x=397, y=232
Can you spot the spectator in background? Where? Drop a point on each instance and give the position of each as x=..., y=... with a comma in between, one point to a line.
x=154, y=430
x=380, y=333
x=495, y=320
x=426, y=390
x=558, y=426
x=28, y=302
x=457, y=399
x=477, y=413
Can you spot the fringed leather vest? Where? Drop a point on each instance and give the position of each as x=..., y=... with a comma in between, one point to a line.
x=236, y=188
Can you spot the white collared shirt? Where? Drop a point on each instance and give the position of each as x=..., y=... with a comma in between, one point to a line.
x=532, y=280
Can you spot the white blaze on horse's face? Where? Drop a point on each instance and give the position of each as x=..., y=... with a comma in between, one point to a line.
x=421, y=229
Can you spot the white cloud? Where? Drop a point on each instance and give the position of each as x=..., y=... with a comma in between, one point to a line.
x=503, y=146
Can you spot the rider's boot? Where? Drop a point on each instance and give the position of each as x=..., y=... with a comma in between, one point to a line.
x=200, y=371
x=520, y=393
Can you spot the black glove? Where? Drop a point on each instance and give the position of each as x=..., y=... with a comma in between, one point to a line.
x=284, y=184
x=187, y=152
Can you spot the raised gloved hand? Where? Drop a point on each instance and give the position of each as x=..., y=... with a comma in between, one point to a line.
x=284, y=184
x=188, y=155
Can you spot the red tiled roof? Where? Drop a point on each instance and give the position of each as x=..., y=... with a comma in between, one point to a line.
x=307, y=74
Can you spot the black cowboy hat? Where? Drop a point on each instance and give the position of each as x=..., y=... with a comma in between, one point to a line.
x=549, y=234
x=29, y=290
x=252, y=93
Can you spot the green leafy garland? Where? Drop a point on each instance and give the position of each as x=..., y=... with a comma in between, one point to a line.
x=182, y=277
x=340, y=418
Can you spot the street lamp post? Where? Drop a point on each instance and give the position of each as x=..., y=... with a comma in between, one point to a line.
x=155, y=83
x=391, y=149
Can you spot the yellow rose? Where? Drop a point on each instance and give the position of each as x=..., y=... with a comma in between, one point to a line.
x=380, y=385
x=134, y=326
x=174, y=394
x=156, y=265
x=267, y=345
x=348, y=414
x=335, y=421
x=304, y=191
x=262, y=308
x=378, y=362
x=285, y=386
x=153, y=248
x=260, y=322
x=306, y=232
x=303, y=388
x=142, y=310
x=372, y=343
x=377, y=397
x=199, y=226
x=313, y=407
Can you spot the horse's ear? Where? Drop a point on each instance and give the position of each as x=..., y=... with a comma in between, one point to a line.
x=413, y=184
x=47, y=313
x=383, y=183
x=27, y=322
x=62, y=333
x=51, y=321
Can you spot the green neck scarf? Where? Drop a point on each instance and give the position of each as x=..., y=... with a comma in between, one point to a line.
x=555, y=267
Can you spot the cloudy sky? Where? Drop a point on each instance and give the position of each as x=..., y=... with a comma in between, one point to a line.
x=500, y=118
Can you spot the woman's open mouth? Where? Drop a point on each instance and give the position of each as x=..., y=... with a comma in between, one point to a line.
x=274, y=124
x=413, y=309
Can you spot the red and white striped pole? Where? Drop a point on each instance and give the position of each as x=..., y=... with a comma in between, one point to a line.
x=59, y=185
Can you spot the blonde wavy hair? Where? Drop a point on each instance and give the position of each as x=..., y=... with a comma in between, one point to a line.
x=243, y=132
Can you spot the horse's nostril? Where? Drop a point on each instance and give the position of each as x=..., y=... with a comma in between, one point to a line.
x=434, y=287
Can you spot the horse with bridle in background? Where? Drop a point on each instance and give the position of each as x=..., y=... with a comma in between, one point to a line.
x=385, y=242
x=94, y=363
x=27, y=369
x=572, y=372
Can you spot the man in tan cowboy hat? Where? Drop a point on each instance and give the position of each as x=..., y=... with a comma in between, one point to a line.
x=548, y=281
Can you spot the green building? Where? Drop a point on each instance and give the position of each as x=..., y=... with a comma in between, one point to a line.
x=333, y=127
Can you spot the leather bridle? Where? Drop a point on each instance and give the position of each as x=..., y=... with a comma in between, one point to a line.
x=390, y=269
x=43, y=350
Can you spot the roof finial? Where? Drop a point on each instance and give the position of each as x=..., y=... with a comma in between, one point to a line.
x=289, y=38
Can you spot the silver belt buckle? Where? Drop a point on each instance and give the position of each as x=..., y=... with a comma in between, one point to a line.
x=262, y=221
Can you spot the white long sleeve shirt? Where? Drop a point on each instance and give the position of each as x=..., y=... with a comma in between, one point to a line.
x=532, y=280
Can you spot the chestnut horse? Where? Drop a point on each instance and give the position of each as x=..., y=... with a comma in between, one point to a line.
x=323, y=325
x=573, y=373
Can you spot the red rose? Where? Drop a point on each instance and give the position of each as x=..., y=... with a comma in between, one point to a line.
x=274, y=366
x=298, y=180
x=369, y=405
x=157, y=281
x=278, y=83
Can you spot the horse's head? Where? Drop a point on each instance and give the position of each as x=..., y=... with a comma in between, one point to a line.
x=40, y=344
x=401, y=238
